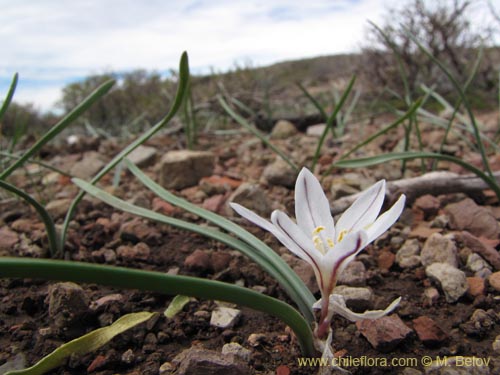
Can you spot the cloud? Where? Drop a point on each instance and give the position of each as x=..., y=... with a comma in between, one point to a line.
x=53, y=41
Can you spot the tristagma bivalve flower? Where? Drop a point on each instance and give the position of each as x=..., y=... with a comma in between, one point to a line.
x=327, y=247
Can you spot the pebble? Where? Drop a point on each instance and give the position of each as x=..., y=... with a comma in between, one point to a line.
x=224, y=317
x=452, y=281
x=467, y=215
x=476, y=286
x=385, y=260
x=280, y=173
x=202, y=361
x=255, y=339
x=199, y=260
x=476, y=245
x=358, y=299
x=180, y=169
x=58, y=208
x=136, y=230
x=128, y=356
x=68, y=303
x=439, y=249
x=386, y=333
x=283, y=129
x=316, y=130
x=429, y=205
x=139, y=251
x=88, y=166
x=233, y=348
x=494, y=281
x=496, y=344
x=354, y=274
x=476, y=263
x=480, y=323
x=408, y=255
x=143, y=156
x=428, y=331
x=431, y=295
x=252, y=197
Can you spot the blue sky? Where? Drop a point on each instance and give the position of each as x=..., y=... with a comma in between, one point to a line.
x=54, y=42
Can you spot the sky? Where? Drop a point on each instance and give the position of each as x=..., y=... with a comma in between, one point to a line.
x=52, y=43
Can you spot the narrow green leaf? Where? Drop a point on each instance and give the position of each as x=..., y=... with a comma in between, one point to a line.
x=181, y=90
x=159, y=282
x=50, y=228
x=10, y=95
x=85, y=344
x=60, y=126
x=384, y=158
x=313, y=101
x=304, y=301
x=176, y=306
x=240, y=120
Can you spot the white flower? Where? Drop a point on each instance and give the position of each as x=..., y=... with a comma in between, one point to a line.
x=328, y=248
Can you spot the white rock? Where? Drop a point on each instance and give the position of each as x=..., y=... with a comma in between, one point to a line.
x=143, y=156
x=359, y=299
x=224, y=317
x=409, y=254
x=236, y=349
x=439, y=249
x=184, y=168
x=452, y=281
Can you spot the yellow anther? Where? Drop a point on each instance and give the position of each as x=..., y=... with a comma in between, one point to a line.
x=341, y=235
x=318, y=230
x=318, y=244
x=330, y=243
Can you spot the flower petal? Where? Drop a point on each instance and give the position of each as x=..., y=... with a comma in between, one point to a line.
x=364, y=210
x=385, y=220
x=253, y=217
x=312, y=208
x=343, y=252
x=338, y=305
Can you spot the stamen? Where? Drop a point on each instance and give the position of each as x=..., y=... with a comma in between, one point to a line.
x=318, y=244
x=342, y=233
x=318, y=230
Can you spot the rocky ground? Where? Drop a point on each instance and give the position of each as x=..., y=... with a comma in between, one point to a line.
x=441, y=257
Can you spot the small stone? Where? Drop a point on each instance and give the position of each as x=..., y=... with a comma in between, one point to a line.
x=136, y=230
x=128, y=357
x=199, y=260
x=143, y=156
x=139, y=251
x=224, y=317
x=476, y=263
x=452, y=281
x=184, y=168
x=357, y=299
x=215, y=203
x=105, y=301
x=481, y=247
x=431, y=295
x=439, y=249
x=354, y=274
x=166, y=368
x=99, y=362
x=494, y=281
x=68, y=303
x=476, y=286
x=408, y=255
x=8, y=238
x=88, y=166
x=283, y=129
x=480, y=323
x=429, y=205
x=385, y=260
x=201, y=361
x=218, y=184
x=220, y=260
x=202, y=314
x=255, y=339
x=467, y=215
x=233, y=348
x=428, y=331
x=280, y=173
x=252, y=197
x=384, y=334
x=315, y=130
x=58, y=208
x=440, y=221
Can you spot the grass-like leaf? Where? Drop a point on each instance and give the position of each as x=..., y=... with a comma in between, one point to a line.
x=9, y=96
x=84, y=344
x=384, y=158
x=181, y=90
x=159, y=282
x=240, y=120
x=176, y=306
x=304, y=301
x=262, y=254
x=50, y=228
x=60, y=126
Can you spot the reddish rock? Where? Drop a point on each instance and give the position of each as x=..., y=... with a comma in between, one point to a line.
x=218, y=184
x=99, y=362
x=467, y=215
x=475, y=244
x=423, y=231
x=494, y=280
x=476, y=286
x=283, y=370
x=8, y=238
x=428, y=331
x=163, y=207
x=220, y=260
x=385, y=260
x=140, y=251
x=198, y=260
x=138, y=231
x=428, y=204
x=386, y=333
x=215, y=203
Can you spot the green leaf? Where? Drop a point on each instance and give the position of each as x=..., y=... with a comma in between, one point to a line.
x=10, y=95
x=240, y=120
x=60, y=126
x=159, y=282
x=176, y=306
x=50, y=228
x=85, y=344
x=305, y=300
x=181, y=90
